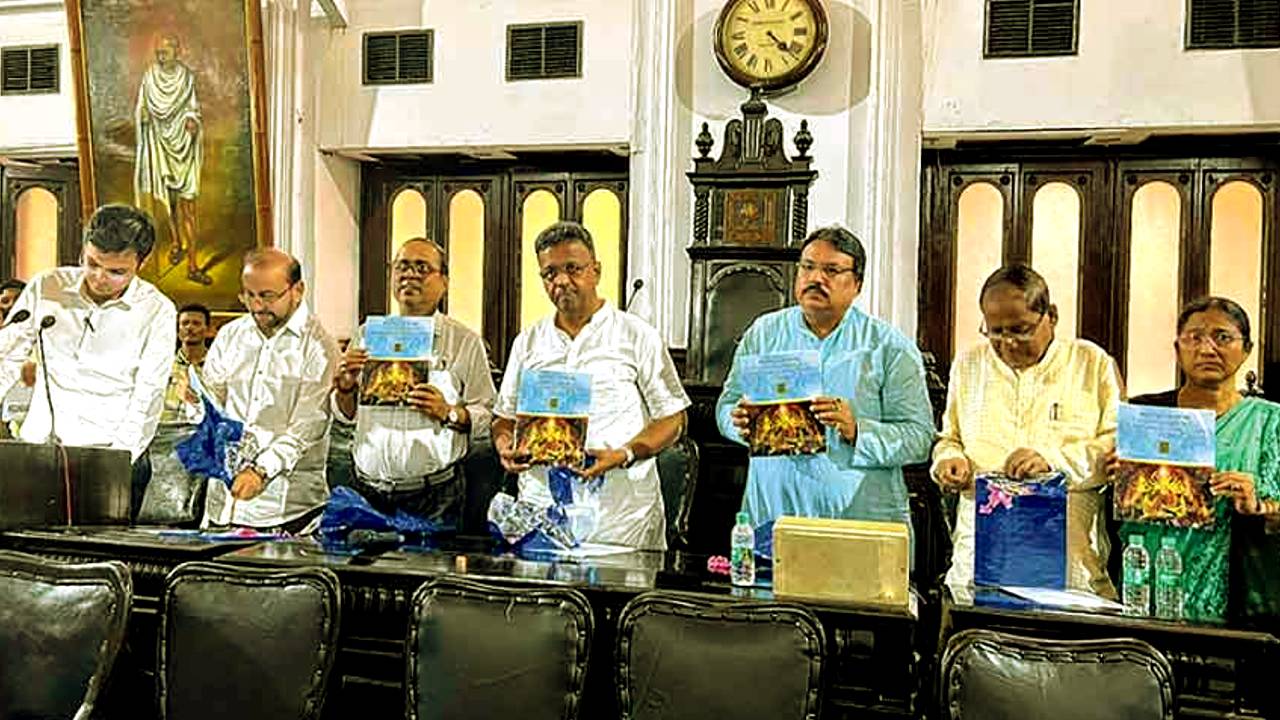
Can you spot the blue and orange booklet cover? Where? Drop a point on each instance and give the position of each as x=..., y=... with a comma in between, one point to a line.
x=776, y=391
x=1166, y=460
x=400, y=357
x=551, y=417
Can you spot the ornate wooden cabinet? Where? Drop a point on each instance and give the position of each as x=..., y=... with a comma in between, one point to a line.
x=751, y=212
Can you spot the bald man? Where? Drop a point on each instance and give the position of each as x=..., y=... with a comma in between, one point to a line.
x=407, y=458
x=272, y=370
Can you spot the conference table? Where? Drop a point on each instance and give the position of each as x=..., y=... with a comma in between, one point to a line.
x=879, y=662
x=872, y=664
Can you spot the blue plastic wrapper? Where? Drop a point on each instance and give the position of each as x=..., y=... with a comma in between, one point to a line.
x=349, y=521
x=212, y=449
x=529, y=530
x=1020, y=531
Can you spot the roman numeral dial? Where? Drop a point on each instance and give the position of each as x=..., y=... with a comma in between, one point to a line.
x=770, y=44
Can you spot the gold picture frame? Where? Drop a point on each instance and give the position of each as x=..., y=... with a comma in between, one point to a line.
x=171, y=116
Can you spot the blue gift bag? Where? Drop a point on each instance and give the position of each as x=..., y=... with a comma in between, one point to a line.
x=1020, y=531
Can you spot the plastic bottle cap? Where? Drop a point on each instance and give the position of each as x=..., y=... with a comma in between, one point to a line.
x=1169, y=541
x=744, y=519
x=1135, y=540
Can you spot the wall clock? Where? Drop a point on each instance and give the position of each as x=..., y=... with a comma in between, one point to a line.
x=770, y=45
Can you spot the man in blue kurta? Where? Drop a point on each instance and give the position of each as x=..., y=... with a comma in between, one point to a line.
x=875, y=406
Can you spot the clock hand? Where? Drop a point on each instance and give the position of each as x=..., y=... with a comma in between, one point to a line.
x=781, y=45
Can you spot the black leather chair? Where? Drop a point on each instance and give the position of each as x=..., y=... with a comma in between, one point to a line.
x=61, y=625
x=989, y=675
x=246, y=643
x=681, y=657
x=482, y=652
x=678, y=473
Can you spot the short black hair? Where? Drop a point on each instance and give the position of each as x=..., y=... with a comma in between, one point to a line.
x=1238, y=316
x=844, y=241
x=563, y=232
x=196, y=308
x=14, y=284
x=1020, y=277
x=117, y=227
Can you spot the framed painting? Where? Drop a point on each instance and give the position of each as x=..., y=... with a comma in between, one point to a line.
x=171, y=118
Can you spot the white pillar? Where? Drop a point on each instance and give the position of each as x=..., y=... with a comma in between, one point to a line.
x=658, y=198
x=891, y=179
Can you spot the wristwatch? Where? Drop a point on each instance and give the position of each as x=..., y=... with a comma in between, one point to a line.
x=631, y=456
x=453, y=418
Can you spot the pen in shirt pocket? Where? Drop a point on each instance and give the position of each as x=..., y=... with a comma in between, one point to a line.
x=1054, y=412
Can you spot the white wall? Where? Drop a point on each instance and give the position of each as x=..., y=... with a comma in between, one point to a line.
x=1131, y=72
x=38, y=124
x=470, y=103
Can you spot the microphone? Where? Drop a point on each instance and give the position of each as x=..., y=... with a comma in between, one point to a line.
x=45, y=323
x=635, y=290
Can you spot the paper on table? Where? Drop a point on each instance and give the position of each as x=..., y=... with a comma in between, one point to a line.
x=1063, y=598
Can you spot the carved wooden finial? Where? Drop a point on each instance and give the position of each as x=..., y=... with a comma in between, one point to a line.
x=804, y=140
x=704, y=141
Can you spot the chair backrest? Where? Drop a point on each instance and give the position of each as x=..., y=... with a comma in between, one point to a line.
x=678, y=474
x=482, y=652
x=996, y=676
x=246, y=642
x=61, y=625
x=682, y=657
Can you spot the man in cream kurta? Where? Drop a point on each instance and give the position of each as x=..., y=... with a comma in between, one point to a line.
x=272, y=370
x=1027, y=403
x=637, y=401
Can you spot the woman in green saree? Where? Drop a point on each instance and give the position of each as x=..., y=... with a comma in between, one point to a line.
x=1213, y=342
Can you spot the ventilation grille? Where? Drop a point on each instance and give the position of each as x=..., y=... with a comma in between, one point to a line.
x=1221, y=24
x=1027, y=28
x=398, y=58
x=29, y=70
x=539, y=52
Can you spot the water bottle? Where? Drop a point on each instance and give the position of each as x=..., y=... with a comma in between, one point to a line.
x=742, y=548
x=1168, y=580
x=1137, y=578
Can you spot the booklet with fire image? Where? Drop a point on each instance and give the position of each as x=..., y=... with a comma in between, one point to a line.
x=776, y=391
x=400, y=357
x=551, y=417
x=1166, y=461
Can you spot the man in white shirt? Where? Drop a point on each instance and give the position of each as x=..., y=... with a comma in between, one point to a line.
x=1025, y=403
x=637, y=401
x=108, y=342
x=272, y=370
x=406, y=457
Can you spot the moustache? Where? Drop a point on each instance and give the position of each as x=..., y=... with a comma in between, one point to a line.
x=816, y=288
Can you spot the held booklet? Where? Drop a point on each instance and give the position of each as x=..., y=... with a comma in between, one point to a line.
x=776, y=391
x=551, y=417
x=1167, y=457
x=400, y=357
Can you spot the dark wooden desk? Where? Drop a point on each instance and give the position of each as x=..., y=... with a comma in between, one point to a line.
x=872, y=655
x=150, y=555
x=1220, y=671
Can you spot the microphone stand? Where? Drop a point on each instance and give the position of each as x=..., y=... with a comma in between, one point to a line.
x=46, y=323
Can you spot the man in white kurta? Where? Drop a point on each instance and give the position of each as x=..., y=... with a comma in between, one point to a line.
x=170, y=153
x=107, y=350
x=1026, y=403
x=637, y=401
x=272, y=370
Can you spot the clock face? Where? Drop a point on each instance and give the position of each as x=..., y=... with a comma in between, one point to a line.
x=770, y=44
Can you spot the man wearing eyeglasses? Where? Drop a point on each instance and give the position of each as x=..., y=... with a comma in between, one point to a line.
x=407, y=457
x=1024, y=403
x=272, y=370
x=875, y=404
x=637, y=401
x=108, y=349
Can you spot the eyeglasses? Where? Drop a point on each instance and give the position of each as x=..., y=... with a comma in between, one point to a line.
x=831, y=272
x=1216, y=338
x=266, y=297
x=420, y=267
x=573, y=270
x=1012, y=335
